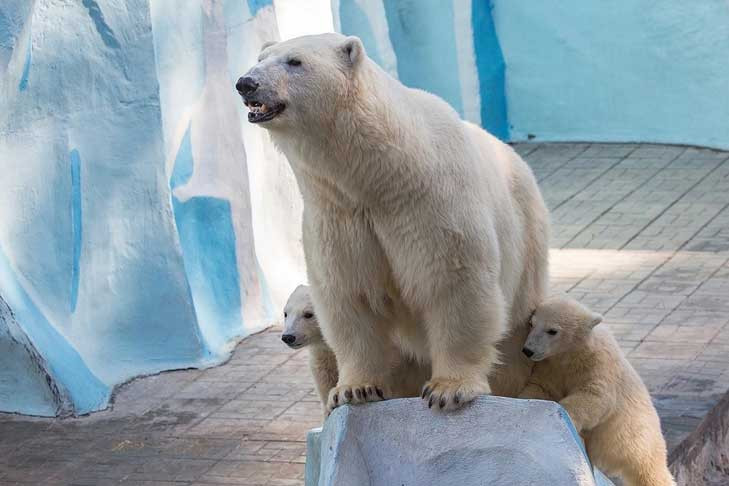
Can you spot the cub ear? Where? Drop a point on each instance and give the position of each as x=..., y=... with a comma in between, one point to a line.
x=353, y=50
x=268, y=44
x=595, y=320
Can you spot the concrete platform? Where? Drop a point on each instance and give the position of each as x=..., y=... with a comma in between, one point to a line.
x=493, y=440
x=640, y=233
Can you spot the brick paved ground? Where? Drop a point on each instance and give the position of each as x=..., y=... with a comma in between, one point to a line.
x=641, y=233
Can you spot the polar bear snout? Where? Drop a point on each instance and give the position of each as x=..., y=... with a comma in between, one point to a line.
x=288, y=339
x=246, y=85
x=527, y=352
x=294, y=341
x=259, y=97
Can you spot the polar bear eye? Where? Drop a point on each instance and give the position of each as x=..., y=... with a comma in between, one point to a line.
x=293, y=62
x=285, y=315
x=552, y=332
x=308, y=315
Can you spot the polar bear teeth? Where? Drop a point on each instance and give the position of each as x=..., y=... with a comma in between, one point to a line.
x=257, y=108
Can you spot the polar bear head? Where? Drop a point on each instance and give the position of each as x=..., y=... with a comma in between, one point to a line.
x=559, y=324
x=301, y=83
x=300, y=325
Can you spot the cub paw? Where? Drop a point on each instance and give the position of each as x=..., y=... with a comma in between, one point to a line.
x=354, y=394
x=448, y=394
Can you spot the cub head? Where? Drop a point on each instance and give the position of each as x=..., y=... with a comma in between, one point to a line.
x=559, y=324
x=301, y=82
x=300, y=325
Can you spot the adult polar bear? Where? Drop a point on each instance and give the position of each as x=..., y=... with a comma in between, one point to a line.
x=423, y=234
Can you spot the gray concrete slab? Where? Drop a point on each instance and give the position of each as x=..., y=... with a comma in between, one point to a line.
x=493, y=440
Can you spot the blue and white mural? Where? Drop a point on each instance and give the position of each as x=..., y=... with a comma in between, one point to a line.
x=624, y=71
x=558, y=70
x=130, y=239
x=449, y=48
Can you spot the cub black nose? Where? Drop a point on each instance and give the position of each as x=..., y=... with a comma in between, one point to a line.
x=288, y=338
x=529, y=353
x=246, y=85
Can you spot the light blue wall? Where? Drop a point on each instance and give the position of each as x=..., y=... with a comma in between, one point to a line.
x=126, y=219
x=449, y=48
x=425, y=60
x=354, y=19
x=490, y=67
x=571, y=70
x=42, y=373
x=207, y=238
x=623, y=70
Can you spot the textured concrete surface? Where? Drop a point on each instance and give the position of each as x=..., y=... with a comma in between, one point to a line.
x=494, y=440
x=641, y=234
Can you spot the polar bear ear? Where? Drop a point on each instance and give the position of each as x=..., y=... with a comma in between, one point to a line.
x=595, y=320
x=353, y=50
x=268, y=44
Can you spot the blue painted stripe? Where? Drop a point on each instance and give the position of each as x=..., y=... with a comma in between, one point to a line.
x=23, y=84
x=207, y=238
x=182, y=169
x=64, y=364
x=76, y=224
x=255, y=5
x=97, y=16
x=491, y=70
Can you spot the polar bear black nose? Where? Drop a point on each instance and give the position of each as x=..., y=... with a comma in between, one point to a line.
x=288, y=338
x=529, y=353
x=246, y=85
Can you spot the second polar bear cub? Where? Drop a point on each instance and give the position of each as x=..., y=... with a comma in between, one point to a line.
x=584, y=370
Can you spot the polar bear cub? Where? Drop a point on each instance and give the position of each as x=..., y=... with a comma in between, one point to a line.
x=584, y=370
x=301, y=329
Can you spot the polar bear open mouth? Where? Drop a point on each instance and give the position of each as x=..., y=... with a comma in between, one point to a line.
x=261, y=112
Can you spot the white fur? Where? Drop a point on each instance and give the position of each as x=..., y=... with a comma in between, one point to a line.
x=424, y=235
x=584, y=370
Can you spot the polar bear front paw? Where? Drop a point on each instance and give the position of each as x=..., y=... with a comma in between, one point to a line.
x=448, y=394
x=354, y=394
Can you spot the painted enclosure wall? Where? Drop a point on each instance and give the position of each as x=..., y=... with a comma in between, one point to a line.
x=558, y=70
x=449, y=48
x=131, y=238
x=620, y=71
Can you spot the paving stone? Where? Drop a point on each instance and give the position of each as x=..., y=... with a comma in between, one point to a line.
x=252, y=473
x=683, y=334
x=247, y=408
x=165, y=469
x=225, y=428
x=677, y=351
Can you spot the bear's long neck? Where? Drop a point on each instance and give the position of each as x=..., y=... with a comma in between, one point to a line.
x=360, y=157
